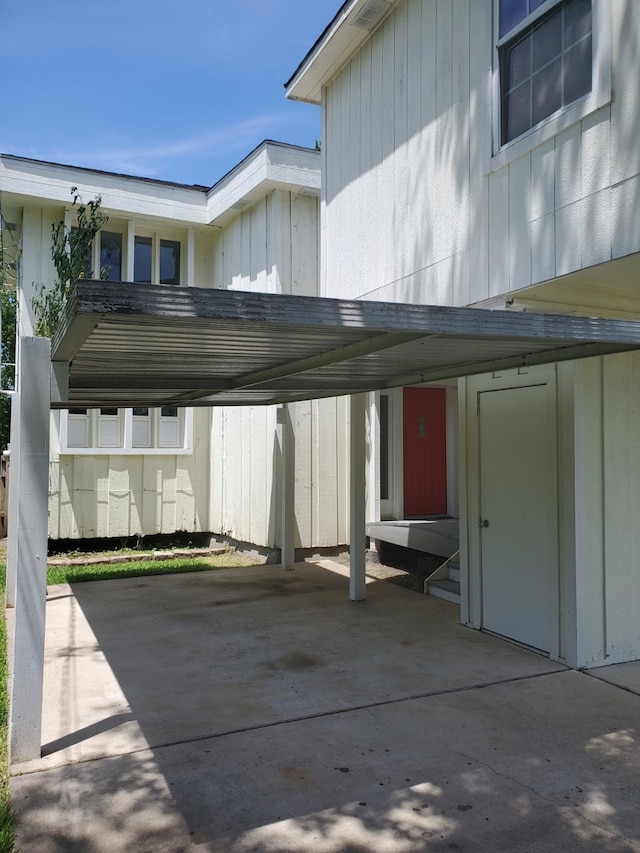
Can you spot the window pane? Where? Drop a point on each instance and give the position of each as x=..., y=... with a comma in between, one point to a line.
x=108, y=432
x=142, y=260
x=511, y=13
x=547, y=91
x=547, y=41
x=577, y=71
x=110, y=412
x=169, y=411
x=169, y=262
x=141, y=412
x=520, y=62
x=517, y=111
x=577, y=21
x=110, y=256
x=169, y=433
x=78, y=429
x=141, y=433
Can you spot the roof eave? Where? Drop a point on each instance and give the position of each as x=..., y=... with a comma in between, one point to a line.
x=340, y=40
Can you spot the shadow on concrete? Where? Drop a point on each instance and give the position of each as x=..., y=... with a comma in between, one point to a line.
x=265, y=712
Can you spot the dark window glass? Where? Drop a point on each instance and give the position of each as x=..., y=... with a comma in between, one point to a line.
x=77, y=411
x=384, y=447
x=169, y=262
x=108, y=411
x=88, y=270
x=546, y=66
x=110, y=256
x=514, y=11
x=142, y=260
x=141, y=412
x=169, y=412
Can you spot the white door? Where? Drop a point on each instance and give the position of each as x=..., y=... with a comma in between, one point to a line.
x=518, y=513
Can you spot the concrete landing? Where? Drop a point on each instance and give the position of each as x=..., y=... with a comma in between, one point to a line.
x=254, y=710
x=434, y=536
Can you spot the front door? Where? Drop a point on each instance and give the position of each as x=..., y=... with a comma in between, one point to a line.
x=424, y=451
x=518, y=512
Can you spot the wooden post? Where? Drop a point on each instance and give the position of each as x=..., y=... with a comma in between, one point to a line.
x=30, y=497
x=357, y=538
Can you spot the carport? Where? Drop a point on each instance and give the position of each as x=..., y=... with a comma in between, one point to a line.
x=122, y=344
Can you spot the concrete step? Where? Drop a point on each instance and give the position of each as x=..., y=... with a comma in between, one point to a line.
x=448, y=590
x=454, y=572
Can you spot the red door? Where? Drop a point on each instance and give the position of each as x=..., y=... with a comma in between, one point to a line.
x=425, y=457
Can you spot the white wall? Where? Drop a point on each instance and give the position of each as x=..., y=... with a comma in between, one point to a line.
x=272, y=247
x=415, y=208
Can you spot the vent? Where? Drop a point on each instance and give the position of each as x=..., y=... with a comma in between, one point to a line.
x=240, y=204
x=371, y=14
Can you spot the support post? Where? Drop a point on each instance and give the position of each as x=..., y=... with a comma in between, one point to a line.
x=357, y=538
x=288, y=469
x=30, y=496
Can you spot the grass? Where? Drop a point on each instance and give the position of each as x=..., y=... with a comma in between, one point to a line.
x=138, y=568
x=7, y=840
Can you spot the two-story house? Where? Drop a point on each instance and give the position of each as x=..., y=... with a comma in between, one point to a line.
x=141, y=471
x=485, y=153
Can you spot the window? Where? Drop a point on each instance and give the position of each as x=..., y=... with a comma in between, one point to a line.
x=137, y=430
x=169, y=262
x=163, y=268
x=110, y=256
x=545, y=58
x=142, y=257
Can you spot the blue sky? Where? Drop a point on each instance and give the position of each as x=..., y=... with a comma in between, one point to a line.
x=175, y=91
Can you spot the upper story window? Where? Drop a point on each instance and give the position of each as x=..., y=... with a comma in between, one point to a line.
x=156, y=260
x=545, y=56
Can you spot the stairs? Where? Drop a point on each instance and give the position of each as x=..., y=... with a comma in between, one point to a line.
x=444, y=583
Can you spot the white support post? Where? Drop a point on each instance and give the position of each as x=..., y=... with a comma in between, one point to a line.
x=29, y=496
x=357, y=538
x=288, y=474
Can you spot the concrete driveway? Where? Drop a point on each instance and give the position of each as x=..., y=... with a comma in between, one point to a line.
x=253, y=710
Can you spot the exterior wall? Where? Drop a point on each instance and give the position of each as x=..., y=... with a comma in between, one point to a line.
x=230, y=483
x=417, y=210
x=272, y=247
x=124, y=495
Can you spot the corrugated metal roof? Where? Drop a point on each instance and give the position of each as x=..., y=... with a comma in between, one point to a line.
x=134, y=344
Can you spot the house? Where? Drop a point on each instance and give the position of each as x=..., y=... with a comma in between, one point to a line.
x=486, y=154
x=140, y=471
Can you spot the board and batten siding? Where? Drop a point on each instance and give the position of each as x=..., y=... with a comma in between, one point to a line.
x=415, y=209
x=272, y=247
x=121, y=495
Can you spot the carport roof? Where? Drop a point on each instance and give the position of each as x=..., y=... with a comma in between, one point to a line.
x=156, y=345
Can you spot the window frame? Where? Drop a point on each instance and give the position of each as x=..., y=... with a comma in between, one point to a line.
x=566, y=116
x=126, y=447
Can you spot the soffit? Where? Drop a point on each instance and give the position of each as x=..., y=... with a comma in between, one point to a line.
x=132, y=344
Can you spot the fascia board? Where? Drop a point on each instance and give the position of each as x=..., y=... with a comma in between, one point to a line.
x=270, y=167
x=328, y=56
x=125, y=196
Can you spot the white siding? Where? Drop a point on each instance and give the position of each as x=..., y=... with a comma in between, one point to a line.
x=414, y=204
x=118, y=496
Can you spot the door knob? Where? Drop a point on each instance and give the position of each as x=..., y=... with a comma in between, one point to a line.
x=482, y=522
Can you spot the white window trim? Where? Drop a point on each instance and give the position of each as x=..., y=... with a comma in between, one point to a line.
x=565, y=117
x=127, y=449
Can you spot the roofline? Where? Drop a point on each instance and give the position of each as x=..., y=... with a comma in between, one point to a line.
x=91, y=171
x=270, y=165
x=337, y=43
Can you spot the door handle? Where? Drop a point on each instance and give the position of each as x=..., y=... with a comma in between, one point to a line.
x=482, y=522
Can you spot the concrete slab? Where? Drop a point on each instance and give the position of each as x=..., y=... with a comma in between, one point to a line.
x=252, y=710
x=625, y=675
